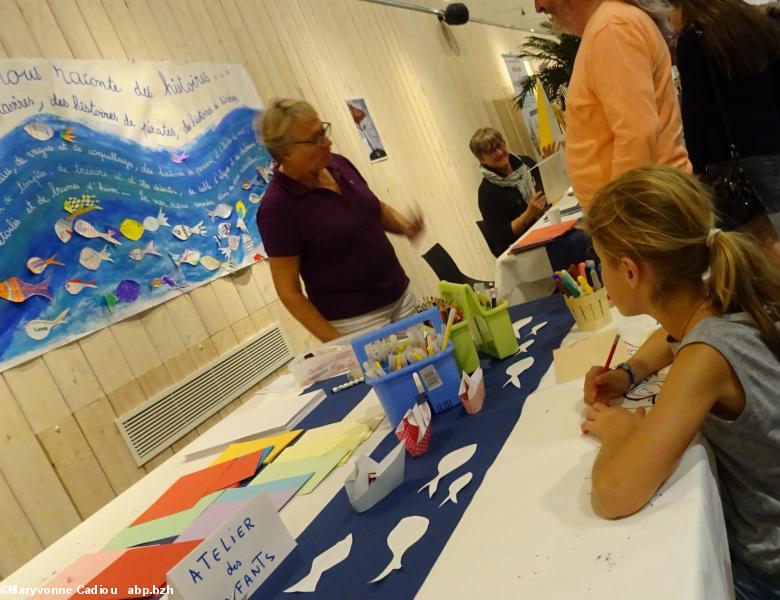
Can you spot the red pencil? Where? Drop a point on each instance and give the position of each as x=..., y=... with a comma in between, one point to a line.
x=611, y=354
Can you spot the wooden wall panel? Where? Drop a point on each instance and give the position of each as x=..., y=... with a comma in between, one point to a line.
x=428, y=87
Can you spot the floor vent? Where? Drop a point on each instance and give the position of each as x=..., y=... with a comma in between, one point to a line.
x=156, y=424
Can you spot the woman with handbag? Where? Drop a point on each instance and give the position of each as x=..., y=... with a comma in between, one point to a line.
x=728, y=56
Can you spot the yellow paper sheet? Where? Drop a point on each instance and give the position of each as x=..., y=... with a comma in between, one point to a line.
x=318, y=466
x=279, y=442
x=344, y=436
x=574, y=361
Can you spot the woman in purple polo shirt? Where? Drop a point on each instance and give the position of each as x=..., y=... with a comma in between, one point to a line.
x=321, y=223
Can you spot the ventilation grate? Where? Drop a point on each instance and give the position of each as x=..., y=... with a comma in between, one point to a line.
x=156, y=424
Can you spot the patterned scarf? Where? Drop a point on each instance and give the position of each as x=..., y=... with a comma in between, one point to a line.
x=520, y=178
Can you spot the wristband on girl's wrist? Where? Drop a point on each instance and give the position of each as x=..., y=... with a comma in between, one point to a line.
x=627, y=368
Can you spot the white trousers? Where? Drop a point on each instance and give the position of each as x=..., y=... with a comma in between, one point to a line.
x=403, y=307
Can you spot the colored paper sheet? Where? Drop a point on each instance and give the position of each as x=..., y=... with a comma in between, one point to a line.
x=574, y=361
x=320, y=466
x=277, y=442
x=80, y=572
x=143, y=567
x=188, y=490
x=542, y=235
x=162, y=528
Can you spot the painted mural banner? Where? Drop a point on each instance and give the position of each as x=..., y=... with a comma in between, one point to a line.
x=122, y=184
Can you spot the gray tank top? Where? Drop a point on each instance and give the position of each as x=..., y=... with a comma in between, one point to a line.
x=747, y=449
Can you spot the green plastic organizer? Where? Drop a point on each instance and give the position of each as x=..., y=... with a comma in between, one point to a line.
x=490, y=328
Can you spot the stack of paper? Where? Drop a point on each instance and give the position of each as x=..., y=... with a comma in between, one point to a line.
x=574, y=361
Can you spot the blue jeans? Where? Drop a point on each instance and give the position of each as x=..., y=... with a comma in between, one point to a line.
x=750, y=584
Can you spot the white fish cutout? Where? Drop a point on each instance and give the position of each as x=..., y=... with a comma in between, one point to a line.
x=210, y=263
x=241, y=226
x=455, y=487
x=524, y=346
x=240, y=208
x=448, y=464
x=403, y=536
x=91, y=258
x=154, y=223
x=74, y=286
x=223, y=211
x=190, y=257
x=233, y=242
x=518, y=325
x=140, y=253
x=248, y=243
x=334, y=555
x=535, y=329
x=38, y=265
x=40, y=131
x=514, y=370
x=256, y=198
x=183, y=232
x=39, y=329
x=86, y=230
x=64, y=230
x=223, y=231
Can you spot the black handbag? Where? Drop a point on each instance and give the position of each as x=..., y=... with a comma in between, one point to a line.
x=736, y=200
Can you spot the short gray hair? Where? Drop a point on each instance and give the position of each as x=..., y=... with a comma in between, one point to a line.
x=272, y=127
x=659, y=11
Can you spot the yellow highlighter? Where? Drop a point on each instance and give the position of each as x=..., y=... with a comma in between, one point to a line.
x=584, y=284
x=448, y=329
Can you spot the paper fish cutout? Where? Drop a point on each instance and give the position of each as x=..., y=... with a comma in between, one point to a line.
x=190, y=257
x=371, y=481
x=233, y=242
x=248, y=185
x=165, y=280
x=154, y=223
x=515, y=369
x=210, y=263
x=414, y=430
x=179, y=157
x=264, y=173
x=128, y=290
x=131, y=229
x=110, y=301
x=64, y=230
x=537, y=327
x=74, y=286
x=68, y=135
x=91, y=258
x=39, y=131
x=240, y=208
x=39, y=329
x=457, y=486
x=241, y=226
x=255, y=198
x=334, y=555
x=472, y=391
x=183, y=232
x=403, y=536
x=87, y=201
x=518, y=325
x=223, y=211
x=223, y=231
x=448, y=464
x=38, y=265
x=86, y=230
x=16, y=290
x=139, y=254
x=524, y=346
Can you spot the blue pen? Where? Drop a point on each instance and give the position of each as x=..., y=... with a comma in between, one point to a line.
x=571, y=285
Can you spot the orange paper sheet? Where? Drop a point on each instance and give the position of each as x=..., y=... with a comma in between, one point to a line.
x=187, y=490
x=541, y=236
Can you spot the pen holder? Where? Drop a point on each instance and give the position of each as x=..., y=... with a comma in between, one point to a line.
x=590, y=311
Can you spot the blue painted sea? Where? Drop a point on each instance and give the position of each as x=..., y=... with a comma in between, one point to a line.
x=128, y=181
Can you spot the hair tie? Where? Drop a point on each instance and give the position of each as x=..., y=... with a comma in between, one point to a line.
x=711, y=236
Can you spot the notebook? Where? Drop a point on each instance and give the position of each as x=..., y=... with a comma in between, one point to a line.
x=541, y=236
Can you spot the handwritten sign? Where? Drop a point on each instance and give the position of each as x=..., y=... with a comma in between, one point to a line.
x=122, y=184
x=234, y=561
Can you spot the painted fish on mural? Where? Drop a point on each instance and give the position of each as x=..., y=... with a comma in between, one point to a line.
x=154, y=223
x=223, y=231
x=179, y=157
x=223, y=211
x=128, y=290
x=67, y=135
x=40, y=131
x=64, y=230
x=39, y=329
x=166, y=280
x=210, y=263
x=190, y=257
x=256, y=198
x=131, y=229
x=183, y=232
x=88, y=201
x=91, y=258
x=74, y=286
x=240, y=208
x=16, y=290
x=85, y=229
x=248, y=243
x=38, y=265
x=140, y=253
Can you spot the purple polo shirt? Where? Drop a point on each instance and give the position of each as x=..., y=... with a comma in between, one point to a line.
x=348, y=265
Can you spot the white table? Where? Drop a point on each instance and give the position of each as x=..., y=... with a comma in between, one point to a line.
x=529, y=532
x=528, y=275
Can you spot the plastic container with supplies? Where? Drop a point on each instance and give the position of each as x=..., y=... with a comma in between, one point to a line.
x=396, y=390
x=590, y=311
x=491, y=328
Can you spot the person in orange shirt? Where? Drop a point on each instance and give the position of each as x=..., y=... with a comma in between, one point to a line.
x=622, y=110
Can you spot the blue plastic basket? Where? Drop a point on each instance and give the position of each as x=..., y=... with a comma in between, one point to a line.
x=397, y=391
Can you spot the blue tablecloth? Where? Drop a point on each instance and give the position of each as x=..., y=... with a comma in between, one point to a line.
x=451, y=430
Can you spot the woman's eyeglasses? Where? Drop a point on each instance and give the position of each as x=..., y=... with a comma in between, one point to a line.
x=318, y=138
